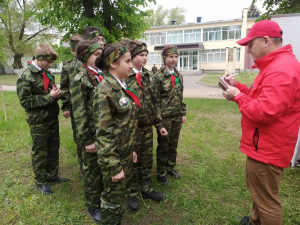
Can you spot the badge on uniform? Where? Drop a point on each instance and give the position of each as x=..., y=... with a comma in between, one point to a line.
x=124, y=102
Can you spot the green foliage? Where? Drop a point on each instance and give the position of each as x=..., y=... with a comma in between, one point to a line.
x=3, y=43
x=21, y=29
x=116, y=19
x=274, y=7
x=64, y=53
x=253, y=11
x=161, y=17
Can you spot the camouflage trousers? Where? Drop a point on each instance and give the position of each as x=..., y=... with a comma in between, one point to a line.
x=45, y=151
x=77, y=142
x=142, y=169
x=166, y=151
x=115, y=193
x=92, y=180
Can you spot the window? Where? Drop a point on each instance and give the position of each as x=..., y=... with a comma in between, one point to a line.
x=222, y=33
x=215, y=55
x=175, y=37
x=192, y=36
x=238, y=54
x=154, y=58
x=154, y=38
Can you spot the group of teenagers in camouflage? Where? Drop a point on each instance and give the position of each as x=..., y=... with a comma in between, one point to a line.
x=113, y=102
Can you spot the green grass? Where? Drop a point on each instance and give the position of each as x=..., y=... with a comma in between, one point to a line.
x=12, y=79
x=212, y=189
x=244, y=78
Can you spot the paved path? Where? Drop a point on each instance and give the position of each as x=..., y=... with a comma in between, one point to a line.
x=192, y=89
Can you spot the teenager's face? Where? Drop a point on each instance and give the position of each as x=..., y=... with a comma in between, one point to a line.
x=171, y=61
x=100, y=40
x=91, y=60
x=44, y=64
x=124, y=67
x=140, y=60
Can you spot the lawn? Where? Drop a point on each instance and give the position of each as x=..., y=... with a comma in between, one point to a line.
x=12, y=79
x=212, y=189
x=245, y=78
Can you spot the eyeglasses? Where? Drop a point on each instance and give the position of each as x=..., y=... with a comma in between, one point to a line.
x=101, y=39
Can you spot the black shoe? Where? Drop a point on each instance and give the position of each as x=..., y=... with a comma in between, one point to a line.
x=174, y=174
x=58, y=179
x=133, y=203
x=156, y=196
x=245, y=221
x=95, y=215
x=45, y=189
x=162, y=180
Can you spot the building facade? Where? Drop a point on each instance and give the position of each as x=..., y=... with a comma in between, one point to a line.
x=203, y=46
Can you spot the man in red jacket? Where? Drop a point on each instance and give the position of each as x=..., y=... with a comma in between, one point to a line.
x=270, y=118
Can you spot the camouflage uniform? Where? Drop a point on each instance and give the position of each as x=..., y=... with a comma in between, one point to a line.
x=67, y=74
x=172, y=109
x=42, y=117
x=116, y=124
x=147, y=116
x=82, y=91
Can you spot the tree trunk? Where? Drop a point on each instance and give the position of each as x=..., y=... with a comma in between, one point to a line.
x=89, y=8
x=18, y=61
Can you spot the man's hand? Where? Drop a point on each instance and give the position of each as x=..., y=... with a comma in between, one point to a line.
x=163, y=132
x=66, y=114
x=118, y=177
x=231, y=80
x=230, y=93
x=183, y=119
x=134, y=157
x=55, y=92
x=91, y=148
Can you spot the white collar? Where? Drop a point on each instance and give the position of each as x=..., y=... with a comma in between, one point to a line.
x=91, y=68
x=170, y=71
x=136, y=71
x=122, y=83
x=36, y=66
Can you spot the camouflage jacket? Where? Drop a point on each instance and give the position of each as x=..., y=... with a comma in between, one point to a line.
x=82, y=91
x=116, y=124
x=147, y=115
x=69, y=70
x=39, y=105
x=169, y=100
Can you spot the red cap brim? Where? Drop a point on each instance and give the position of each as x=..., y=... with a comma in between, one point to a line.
x=244, y=41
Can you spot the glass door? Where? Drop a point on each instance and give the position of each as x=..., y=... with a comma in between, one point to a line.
x=184, y=63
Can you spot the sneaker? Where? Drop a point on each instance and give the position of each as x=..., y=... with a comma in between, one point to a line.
x=174, y=174
x=133, y=203
x=44, y=189
x=95, y=215
x=245, y=221
x=156, y=196
x=162, y=180
x=58, y=179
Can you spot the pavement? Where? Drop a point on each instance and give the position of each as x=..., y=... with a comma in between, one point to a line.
x=192, y=88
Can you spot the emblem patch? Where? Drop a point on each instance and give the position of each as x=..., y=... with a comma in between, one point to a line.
x=124, y=102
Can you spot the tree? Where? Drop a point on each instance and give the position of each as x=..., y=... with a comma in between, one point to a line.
x=253, y=11
x=161, y=17
x=3, y=42
x=20, y=27
x=274, y=7
x=115, y=18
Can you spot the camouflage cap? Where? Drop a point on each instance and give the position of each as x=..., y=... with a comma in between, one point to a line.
x=88, y=52
x=170, y=51
x=93, y=35
x=45, y=57
x=115, y=55
x=138, y=50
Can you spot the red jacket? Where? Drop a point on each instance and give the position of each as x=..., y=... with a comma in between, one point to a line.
x=271, y=109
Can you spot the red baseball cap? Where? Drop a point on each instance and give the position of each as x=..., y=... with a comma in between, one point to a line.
x=260, y=29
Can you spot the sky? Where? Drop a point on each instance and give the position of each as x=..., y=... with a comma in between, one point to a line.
x=209, y=10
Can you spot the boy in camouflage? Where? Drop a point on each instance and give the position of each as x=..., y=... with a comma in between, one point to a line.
x=38, y=94
x=82, y=89
x=169, y=90
x=140, y=80
x=67, y=76
x=115, y=110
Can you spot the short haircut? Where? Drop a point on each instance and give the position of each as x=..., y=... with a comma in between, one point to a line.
x=89, y=30
x=45, y=49
x=277, y=40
